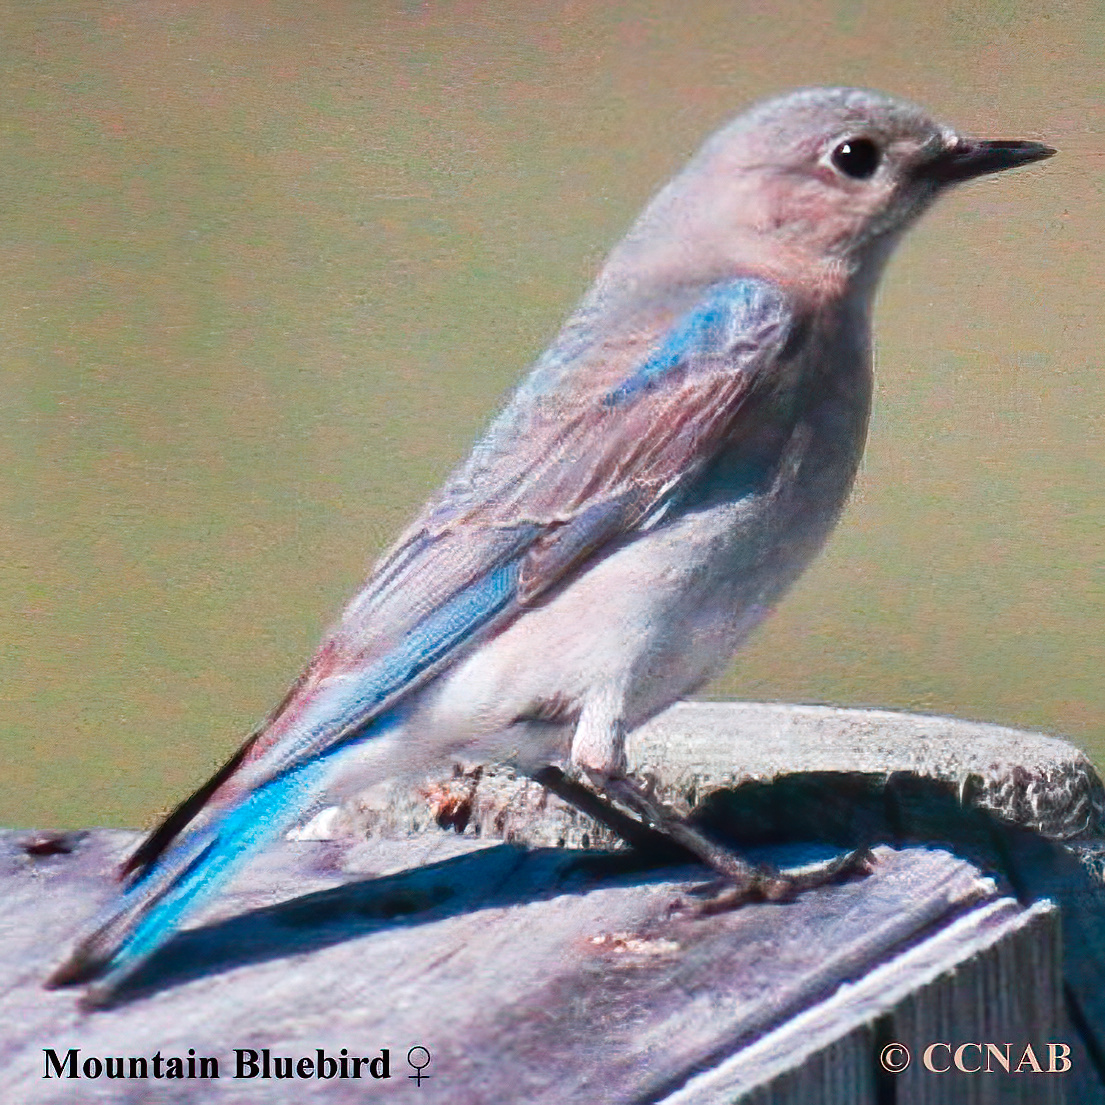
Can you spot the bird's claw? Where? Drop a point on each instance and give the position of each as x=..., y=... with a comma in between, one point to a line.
x=768, y=884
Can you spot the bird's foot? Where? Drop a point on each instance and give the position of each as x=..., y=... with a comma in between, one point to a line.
x=739, y=881
x=768, y=884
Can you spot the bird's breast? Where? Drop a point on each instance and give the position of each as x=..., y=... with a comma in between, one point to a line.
x=777, y=487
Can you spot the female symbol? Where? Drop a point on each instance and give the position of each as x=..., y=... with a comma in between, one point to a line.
x=418, y=1057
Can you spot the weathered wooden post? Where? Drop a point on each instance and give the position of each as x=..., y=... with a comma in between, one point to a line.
x=969, y=966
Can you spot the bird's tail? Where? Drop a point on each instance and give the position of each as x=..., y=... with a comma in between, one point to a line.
x=176, y=883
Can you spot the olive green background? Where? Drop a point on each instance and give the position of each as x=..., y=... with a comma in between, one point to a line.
x=269, y=267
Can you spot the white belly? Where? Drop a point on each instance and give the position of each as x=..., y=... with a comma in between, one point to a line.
x=649, y=623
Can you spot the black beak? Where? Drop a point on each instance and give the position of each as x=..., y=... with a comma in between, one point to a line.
x=971, y=157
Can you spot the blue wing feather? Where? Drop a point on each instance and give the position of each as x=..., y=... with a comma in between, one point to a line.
x=343, y=706
x=712, y=329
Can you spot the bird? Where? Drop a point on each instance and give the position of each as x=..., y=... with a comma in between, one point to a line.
x=668, y=468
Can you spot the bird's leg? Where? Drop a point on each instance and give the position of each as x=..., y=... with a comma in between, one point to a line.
x=635, y=833
x=598, y=748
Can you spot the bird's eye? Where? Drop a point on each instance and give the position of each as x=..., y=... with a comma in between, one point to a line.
x=857, y=158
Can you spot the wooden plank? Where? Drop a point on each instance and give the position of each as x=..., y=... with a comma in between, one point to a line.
x=527, y=978
x=993, y=974
x=560, y=974
x=1026, y=807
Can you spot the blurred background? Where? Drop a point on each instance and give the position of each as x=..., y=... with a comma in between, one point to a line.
x=268, y=268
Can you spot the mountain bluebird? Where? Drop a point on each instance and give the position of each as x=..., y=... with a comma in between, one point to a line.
x=672, y=463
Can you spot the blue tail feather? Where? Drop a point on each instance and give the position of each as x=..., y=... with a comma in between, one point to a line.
x=155, y=905
x=201, y=856
x=198, y=868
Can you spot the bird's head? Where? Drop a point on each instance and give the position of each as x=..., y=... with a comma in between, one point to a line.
x=815, y=186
